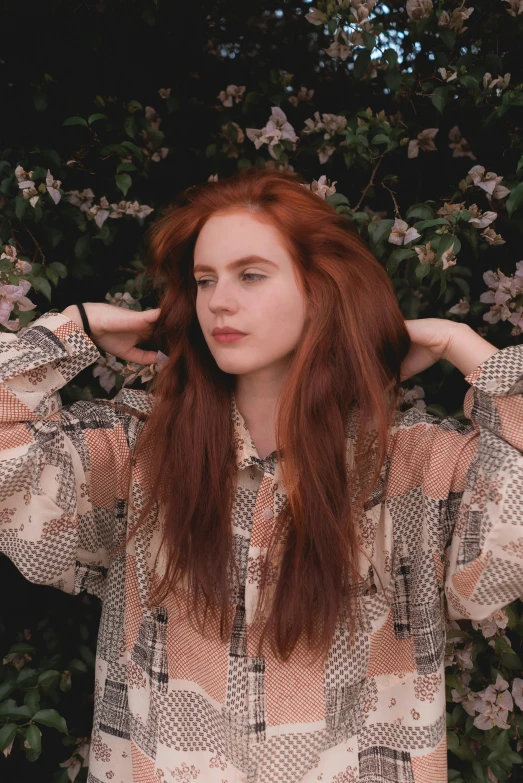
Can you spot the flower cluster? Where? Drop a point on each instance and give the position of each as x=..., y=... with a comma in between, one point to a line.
x=503, y=291
x=276, y=131
x=83, y=199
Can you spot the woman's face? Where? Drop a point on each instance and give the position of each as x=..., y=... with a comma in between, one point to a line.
x=246, y=281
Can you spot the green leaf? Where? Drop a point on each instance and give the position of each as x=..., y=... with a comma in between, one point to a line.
x=337, y=198
x=95, y=117
x=125, y=167
x=21, y=647
x=75, y=121
x=421, y=225
x=452, y=740
x=393, y=79
x=448, y=37
x=82, y=247
x=421, y=211
x=26, y=674
x=380, y=138
x=33, y=738
x=129, y=126
x=361, y=64
x=422, y=270
x=59, y=269
x=5, y=689
x=396, y=257
x=51, y=718
x=20, y=206
x=32, y=699
x=11, y=711
x=42, y=285
x=7, y=735
x=515, y=198
x=123, y=182
x=439, y=98
x=380, y=230
x=48, y=677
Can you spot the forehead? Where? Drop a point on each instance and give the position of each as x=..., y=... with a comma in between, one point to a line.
x=231, y=234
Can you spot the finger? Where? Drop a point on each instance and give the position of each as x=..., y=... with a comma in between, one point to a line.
x=152, y=315
x=139, y=356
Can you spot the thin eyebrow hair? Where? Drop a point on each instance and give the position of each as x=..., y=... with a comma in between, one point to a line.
x=235, y=264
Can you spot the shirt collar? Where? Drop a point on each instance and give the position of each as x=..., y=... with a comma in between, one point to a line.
x=246, y=452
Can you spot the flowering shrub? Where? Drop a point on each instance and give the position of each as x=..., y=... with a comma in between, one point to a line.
x=405, y=116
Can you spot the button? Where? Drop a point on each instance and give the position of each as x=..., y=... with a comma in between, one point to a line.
x=267, y=513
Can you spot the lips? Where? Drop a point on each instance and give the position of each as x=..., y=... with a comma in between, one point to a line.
x=226, y=330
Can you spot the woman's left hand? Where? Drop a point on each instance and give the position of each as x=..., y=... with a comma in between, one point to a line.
x=432, y=339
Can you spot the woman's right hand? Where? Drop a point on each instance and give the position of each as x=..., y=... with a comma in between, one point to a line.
x=116, y=330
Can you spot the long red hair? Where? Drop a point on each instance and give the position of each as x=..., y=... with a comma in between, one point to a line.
x=347, y=361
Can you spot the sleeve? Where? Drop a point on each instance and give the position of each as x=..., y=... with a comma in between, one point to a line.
x=64, y=470
x=484, y=555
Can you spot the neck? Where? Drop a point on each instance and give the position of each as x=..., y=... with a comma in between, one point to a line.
x=256, y=397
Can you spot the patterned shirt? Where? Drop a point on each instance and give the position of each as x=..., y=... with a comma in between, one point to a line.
x=443, y=531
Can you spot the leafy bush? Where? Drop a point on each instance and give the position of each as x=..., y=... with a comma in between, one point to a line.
x=406, y=117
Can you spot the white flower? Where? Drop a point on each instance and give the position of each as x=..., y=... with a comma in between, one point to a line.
x=52, y=187
x=517, y=692
x=213, y=178
x=462, y=308
x=425, y=254
x=231, y=94
x=138, y=210
x=303, y=95
x=10, y=252
x=401, y=234
x=11, y=295
x=160, y=154
x=322, y=187
x=489, y=182
x=339, y=48
x=419, y=9
x=413, y=397
x=482, y=220
x=491, y=237
x=424, y=141
x=515, y=7
x=501, y=82
x=459, y=145
x=494, y=704
x=325, y=152
x=82, y=199
x=447, y=76
x=464, y=657
x=118, y=210
x=467, y=699
x=100, y=212
x=315, y=17
x=276, y=130
x=448, y=209
x=448, y=258
x=24, y=178
x=456, y=18
x=106, y=369
x=121, y=300
x=490, y=625
x=133, y=370
x=164, y=93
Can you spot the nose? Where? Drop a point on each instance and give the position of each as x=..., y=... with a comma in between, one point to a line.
x=222, y=298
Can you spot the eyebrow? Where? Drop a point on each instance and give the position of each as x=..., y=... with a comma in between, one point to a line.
x=253, y=259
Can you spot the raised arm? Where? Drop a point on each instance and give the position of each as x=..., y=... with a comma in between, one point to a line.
x=64, y=470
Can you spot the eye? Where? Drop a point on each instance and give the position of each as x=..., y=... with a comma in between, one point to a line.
x=254, y=277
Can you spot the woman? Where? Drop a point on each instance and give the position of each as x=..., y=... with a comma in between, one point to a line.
x=273, y=594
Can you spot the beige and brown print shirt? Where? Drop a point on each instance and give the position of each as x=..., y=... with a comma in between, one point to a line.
x=443, y=532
